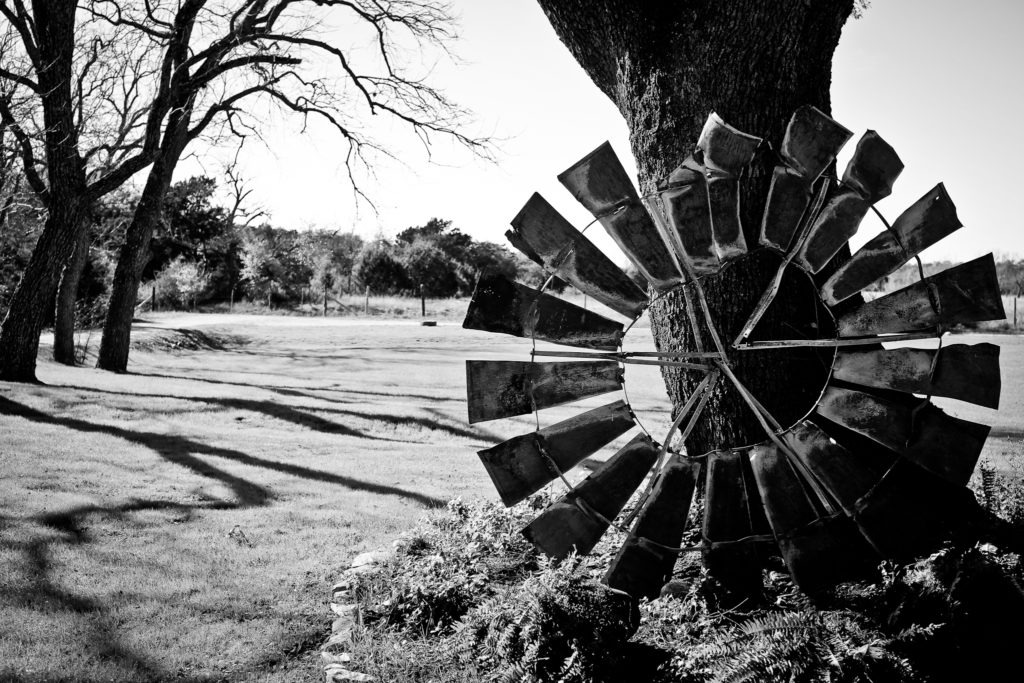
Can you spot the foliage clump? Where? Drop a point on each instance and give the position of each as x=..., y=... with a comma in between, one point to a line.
x=477, y=603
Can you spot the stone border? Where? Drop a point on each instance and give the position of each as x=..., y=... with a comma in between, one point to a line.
x=334, y=653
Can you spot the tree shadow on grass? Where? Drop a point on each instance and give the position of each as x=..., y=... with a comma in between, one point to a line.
x=179, y=450
x=43, y=590
x=289, y=413
x=303, y=392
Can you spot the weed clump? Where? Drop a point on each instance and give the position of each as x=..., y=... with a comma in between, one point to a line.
x=467, y=598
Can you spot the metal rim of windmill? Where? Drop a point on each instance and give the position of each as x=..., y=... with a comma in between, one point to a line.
x=828, y=212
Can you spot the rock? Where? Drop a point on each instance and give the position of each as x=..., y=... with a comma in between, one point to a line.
x=342, y=658
x=370, y=558
x=338, y=674
x=345, y=609
x=342, y=639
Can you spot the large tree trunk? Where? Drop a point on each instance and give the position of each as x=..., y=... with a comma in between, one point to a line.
x=667, y=66
x=117, y=327
x=32, y=300
x=19, y=336
x=67, y=297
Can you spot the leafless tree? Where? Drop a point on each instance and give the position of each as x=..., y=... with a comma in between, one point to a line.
x=251, y=56
x=221, y=65
x=77, y=139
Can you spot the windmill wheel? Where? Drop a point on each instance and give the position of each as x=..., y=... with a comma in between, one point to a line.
x=873, y=470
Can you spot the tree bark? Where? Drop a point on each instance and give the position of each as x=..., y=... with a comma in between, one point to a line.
x=667, y=66
x=64, y=318
x=65, y=174
x=117, y=326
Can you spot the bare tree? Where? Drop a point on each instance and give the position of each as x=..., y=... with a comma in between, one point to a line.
x=245, y=56
x=56, y=80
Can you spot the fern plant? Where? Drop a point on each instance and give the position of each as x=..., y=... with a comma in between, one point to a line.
x=798, y=646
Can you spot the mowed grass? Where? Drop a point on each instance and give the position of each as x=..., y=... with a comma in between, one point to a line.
x=186, y=521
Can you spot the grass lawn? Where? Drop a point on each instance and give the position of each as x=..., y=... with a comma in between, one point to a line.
x=186, y=521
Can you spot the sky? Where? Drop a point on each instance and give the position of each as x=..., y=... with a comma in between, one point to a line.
x=938, y=79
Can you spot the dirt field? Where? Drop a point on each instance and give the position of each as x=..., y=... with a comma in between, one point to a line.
x=185, y=521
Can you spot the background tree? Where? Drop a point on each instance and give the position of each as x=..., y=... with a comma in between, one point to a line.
x=249, y=53
x=380, y=270
x=79, y=135
x=666, y=66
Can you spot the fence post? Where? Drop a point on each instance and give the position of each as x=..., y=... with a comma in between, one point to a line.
x=423, y=302
x=1014, y=312
x=325, y=301
x=366, y=304
x=152, y=299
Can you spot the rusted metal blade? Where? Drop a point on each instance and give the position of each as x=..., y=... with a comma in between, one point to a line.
x=846, y=475
x=965, y=293
x=641, y=568
x=500, y=305
x=570, y=524
x=838, y=221
x=733, y=517
x=820, y=550
x=725, y=152
x=911, y=511
x=523, y=464
x=724, y=149
x=965, y=372
x=946, y=446
x=498, y=389
x=788, y=197
x=809, y=146
x=874, y=168
x=812, y=141
x=926, y=222
x=682, y=213
x=564, y=251
x=901, y=509
x=601, y=184
x=868, y=178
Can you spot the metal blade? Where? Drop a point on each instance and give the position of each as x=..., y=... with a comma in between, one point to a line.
x=640, y=568
x=518, y=467
x=926, y=222
x=818, y=549
x=601, y=184
x=788, y=197
x=868, y=178
x=732, y=515
x=568, y=525
x=809, y=146
x=500, y=305
x=812, y=141
x=910, y=512
x=968, y=373
x=946, y=446
x=874, y=168
x=497, y=389
x=844, y=474
x=965, y=293
x=725, y=152
x=902, y=510
x=682, y=213
x=838, y=221
x=564, y=251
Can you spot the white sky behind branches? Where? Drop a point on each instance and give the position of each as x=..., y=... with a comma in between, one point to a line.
x=938, y=79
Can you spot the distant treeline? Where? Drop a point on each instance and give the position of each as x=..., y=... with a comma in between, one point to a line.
x=204, y=254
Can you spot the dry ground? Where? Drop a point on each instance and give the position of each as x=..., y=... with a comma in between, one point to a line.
x=185, y=521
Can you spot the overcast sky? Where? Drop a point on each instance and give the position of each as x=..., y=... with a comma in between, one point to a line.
x=938, y=79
